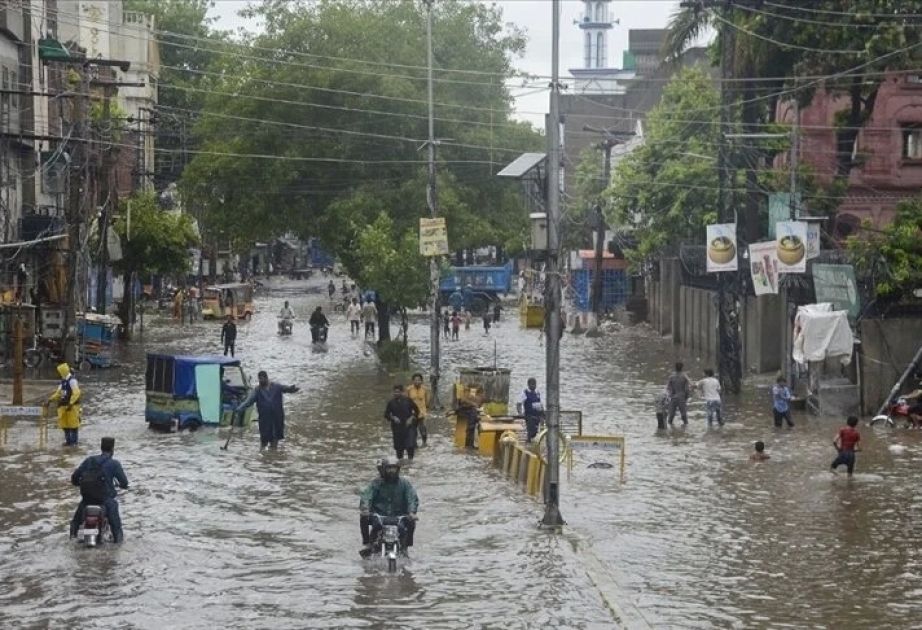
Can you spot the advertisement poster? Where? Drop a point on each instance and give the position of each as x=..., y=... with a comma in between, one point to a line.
x=763, y=265
x=813, y=240
x=836, y=284
x=433, y=237
x=721, y=247
x=791, y=242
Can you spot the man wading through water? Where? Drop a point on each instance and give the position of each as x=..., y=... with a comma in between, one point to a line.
x=419, y=394
x=268, y=399
x=403, y=415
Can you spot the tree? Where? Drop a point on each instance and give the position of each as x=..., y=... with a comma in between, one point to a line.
x=341, y=126
x=389, y=261
x=890, y=260
x=667, y=187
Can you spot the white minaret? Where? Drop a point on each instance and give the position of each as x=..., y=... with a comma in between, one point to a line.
x=595, y=25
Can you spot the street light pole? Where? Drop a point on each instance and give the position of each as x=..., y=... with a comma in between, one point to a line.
x=432, y=202
x=552, y=518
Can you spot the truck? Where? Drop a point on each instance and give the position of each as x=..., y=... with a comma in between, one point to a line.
x=475, y=287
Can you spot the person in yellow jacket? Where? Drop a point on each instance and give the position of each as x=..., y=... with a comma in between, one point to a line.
x=67, y=395
x=419, y=394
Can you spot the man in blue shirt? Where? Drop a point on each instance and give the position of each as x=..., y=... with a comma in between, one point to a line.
x=268, y=399
x=108, y=471
x=781, y=402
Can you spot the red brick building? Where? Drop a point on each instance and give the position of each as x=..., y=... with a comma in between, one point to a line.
x=888, y=150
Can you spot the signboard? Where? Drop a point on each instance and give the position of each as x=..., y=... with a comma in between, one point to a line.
x=763, y=265
x=836, y=284
x=791, y=241
x=612, y=443
x=779, y=209
x=721, y=247
x=21, y=412
x=813, y=239
x=433, y=237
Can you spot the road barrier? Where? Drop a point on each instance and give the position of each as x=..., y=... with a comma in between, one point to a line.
x=41, y=413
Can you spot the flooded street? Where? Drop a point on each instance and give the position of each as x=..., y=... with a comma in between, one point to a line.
x=697, y=537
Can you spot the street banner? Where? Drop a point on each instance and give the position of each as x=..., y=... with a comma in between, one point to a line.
x=813, y=239
x=763, y=265
x=721, y=247
x=791, y=241
x=433, y=237
x=836, y=284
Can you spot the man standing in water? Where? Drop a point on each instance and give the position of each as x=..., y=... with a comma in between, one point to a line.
x=229, y=335
x=268, y=399
x=354, y=315
x=532, y=408
x=419, y=394
x=679, y=389
x=403, y=416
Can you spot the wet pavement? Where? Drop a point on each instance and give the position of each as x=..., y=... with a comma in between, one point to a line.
x=697, y=537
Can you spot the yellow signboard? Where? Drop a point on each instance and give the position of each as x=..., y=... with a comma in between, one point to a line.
x=433, y=237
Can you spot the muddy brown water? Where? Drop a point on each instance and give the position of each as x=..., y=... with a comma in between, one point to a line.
x=697, y=537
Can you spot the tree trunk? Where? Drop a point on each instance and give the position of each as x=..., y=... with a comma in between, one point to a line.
x=751, y=224
x=125, y=311
x=384, y=321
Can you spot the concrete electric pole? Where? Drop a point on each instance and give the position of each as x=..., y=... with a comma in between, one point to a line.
x=432, y=201
x=552, y=518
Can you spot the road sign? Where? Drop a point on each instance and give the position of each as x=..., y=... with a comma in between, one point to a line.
x=18, y=411
x=433, y=237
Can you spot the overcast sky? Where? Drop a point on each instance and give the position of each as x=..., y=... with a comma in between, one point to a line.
x=534, y=16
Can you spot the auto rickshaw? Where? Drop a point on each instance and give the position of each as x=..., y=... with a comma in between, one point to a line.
x=221, y=300
x=187, y=392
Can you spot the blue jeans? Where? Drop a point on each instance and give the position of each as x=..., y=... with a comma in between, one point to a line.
x=70, y=437
x=112, y=515
x=713, y=410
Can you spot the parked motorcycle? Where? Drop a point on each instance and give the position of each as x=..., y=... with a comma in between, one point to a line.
x=390, y=541
x=95, y=528
x=898, y=411
x=285, y=326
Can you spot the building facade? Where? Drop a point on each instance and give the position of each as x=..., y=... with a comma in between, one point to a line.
x=887, y=154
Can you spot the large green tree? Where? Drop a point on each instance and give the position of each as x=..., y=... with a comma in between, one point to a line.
x=666, y=189
x=327, y=109
x=889, y=261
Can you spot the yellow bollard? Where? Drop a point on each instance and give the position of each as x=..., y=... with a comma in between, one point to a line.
x=522, y=476
x=534, y=470
x=514, y=461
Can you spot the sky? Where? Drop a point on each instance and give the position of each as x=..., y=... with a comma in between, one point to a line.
x=534, y=17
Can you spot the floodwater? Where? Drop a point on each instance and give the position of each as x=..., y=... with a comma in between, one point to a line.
x=696, y=537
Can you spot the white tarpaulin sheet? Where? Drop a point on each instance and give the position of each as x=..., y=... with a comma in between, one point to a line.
x=820, y=332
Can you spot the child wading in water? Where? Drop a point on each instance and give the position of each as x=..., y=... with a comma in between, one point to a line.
x=759, y=455
x=846, y=442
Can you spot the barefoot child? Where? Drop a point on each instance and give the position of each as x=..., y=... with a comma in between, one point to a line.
x=759, y=455
x=846, y=442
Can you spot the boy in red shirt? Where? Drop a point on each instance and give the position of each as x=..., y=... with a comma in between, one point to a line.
x=846, y=442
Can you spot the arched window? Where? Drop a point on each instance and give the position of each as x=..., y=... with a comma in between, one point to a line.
x=588, y=50
x=599, y=12
x=600, y=51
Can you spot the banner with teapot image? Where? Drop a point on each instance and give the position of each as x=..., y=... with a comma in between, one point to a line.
x=763, y=265
x=791, y=243
x=721, y=247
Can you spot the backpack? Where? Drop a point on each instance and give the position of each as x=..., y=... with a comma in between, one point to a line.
x=93, y=483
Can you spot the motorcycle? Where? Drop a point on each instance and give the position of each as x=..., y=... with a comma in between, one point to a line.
x=897, y=411
x=284, y=326
x=319, y=334
x=95, y=528
x=390, y=540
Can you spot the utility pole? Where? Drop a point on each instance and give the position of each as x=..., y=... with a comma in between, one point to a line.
x=795, y=156
x=552, y=519
x=103, y=263
x=432, y=202
x=78, y=185
x=729, y=361
x=17, y=356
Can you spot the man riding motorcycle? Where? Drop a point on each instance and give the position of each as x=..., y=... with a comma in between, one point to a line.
x=319, y=324
x=285, y=317
x=388, y=495
x=96, y=478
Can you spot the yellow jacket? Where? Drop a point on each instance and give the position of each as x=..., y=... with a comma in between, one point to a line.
x=69, y=412
x=420, y=395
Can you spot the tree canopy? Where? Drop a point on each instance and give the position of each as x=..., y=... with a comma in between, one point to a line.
x=891, y=259
x=159, y=240
x=307, y=125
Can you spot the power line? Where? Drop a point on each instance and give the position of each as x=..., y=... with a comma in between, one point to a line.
x=788, y=7
x=825, y=51
x=805, y=20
